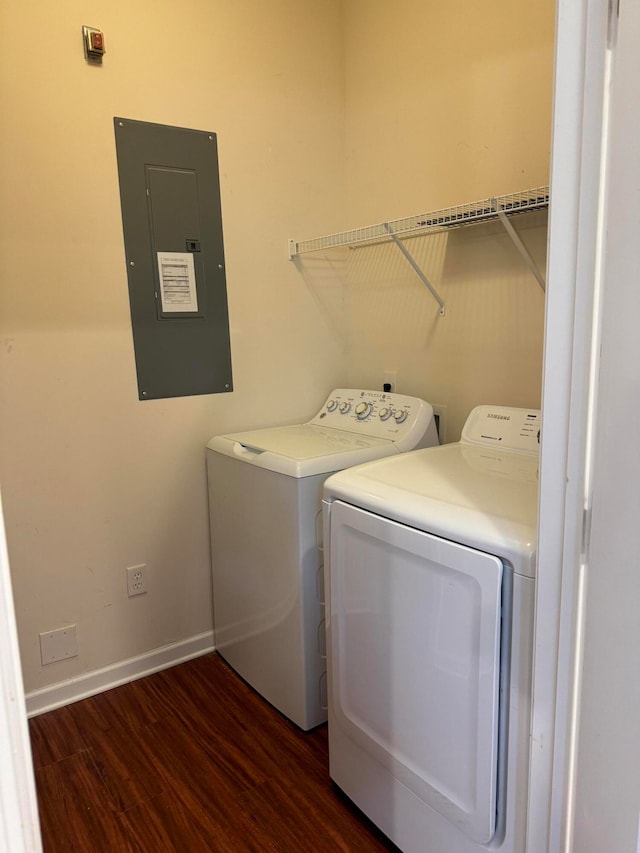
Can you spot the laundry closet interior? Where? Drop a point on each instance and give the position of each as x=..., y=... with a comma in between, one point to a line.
x=423, y=122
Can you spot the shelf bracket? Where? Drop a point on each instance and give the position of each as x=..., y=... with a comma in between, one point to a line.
x=414, y=265
x=517, y=242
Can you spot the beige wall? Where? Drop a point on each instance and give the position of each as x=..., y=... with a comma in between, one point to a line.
x=94, y=480
x=446, y=103
x=324, y=121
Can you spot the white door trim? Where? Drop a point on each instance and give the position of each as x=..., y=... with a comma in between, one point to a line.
x=570, y=367
x=19, y=825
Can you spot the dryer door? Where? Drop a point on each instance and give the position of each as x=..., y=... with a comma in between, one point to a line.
x=414, y=644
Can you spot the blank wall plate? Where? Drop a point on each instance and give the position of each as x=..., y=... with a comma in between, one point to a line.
x=58, y=645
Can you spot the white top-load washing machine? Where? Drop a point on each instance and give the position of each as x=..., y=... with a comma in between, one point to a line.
x=265, y=492
x=430, y=577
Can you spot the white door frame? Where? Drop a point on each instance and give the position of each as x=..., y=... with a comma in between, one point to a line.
x=578, y=173
x=19, y=825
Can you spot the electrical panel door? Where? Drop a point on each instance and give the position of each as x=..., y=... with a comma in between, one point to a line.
x=172, y=221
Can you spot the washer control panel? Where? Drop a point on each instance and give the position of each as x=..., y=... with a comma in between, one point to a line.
x=396, y=417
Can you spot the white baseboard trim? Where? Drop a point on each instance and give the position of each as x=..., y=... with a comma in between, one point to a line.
x=99, y=680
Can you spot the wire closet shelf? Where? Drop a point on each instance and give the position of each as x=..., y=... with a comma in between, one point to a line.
x=427, y=223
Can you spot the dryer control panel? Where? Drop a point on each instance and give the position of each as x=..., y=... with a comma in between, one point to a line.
x=396, y=417
x=503, y=427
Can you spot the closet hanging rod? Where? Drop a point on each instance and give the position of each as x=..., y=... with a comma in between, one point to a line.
x=428, y=223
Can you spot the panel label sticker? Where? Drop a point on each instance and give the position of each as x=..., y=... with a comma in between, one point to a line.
x=177, y=282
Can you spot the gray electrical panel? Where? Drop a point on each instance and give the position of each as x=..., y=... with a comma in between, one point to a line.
x=172, y=221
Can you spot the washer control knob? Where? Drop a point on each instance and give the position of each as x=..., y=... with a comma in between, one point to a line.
x=363, y=410
x=401, y=415
x=332, y=405
x=385, y=413
x=344, y=408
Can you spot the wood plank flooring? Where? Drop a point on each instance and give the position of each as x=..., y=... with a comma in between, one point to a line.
x=189, y=759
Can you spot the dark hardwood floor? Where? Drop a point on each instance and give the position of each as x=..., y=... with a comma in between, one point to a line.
x=189, y=759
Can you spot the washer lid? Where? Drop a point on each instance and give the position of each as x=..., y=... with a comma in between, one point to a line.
x=478, y=496
x=302, y=450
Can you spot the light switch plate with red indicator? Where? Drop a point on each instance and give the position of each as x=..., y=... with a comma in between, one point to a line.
x=93, y=40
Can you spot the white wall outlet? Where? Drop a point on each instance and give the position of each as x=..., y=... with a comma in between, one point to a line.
x=390, y=377
x=58, y=645
x=136, y=580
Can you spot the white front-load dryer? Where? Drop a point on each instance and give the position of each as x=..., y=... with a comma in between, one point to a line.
x=430, y=581
x=265, y=504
